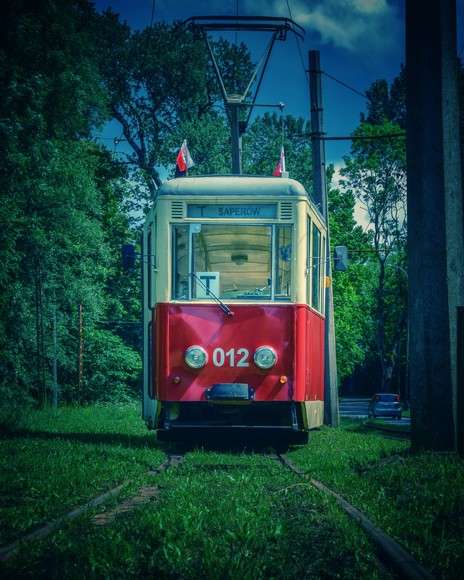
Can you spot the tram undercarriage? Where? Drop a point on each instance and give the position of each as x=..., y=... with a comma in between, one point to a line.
x=285, y=419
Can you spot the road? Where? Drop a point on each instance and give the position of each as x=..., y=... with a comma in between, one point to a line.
x=357, y=407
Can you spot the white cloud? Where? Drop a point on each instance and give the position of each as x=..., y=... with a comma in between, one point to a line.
x=360, y=213
x=360, y=26
x=364, y=27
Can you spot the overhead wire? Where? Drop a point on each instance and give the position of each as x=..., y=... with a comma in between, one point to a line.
x=322, y=72
x=298, y=44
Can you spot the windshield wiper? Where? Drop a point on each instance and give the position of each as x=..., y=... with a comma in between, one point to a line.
x=218, y=301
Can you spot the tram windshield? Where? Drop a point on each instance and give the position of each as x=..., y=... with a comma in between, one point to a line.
x=245, y=262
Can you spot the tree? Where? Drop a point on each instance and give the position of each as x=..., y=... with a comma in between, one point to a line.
x=353, y=290
x=375, y=173
x=387, y=102
x=61, y=197
x=162, y=86
x=263, y=141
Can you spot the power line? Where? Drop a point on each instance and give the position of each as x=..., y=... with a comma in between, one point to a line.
x=346, y=86
x=359, y=137
x=298, y=45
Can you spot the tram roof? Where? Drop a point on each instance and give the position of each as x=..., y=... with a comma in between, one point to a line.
x=226, y=185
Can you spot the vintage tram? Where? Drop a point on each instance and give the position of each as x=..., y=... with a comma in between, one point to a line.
x=233, y=307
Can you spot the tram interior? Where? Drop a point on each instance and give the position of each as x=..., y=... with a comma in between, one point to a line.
x=243, y=261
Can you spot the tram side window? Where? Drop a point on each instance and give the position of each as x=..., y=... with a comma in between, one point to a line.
x=283, y=255
x=180, y=253
x=316, y=268
x=149, y=271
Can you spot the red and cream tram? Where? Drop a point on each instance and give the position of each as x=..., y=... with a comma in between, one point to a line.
x=233, y=293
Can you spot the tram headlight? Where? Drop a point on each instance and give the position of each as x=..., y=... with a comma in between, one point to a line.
x=196, y=357
x=265, y=357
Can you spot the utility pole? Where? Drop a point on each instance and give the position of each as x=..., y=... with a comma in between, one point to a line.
x=81, y=361
x=435, y=223
x=331, y=413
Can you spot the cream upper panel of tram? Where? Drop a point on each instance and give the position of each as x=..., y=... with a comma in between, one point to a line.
x=234, y=200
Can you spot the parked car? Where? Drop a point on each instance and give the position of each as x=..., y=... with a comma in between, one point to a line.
x=385, y=405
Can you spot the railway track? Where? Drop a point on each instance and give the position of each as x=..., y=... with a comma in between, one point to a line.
x=392, y=557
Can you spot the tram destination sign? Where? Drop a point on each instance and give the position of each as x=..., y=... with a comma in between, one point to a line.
x=233, y=211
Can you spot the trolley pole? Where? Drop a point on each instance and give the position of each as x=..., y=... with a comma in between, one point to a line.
x=331, y=413
x=236, y=138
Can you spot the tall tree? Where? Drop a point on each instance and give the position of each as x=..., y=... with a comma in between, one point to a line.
x=56, y=215
x=161, y=84
x=354, y=289
x=263, y=141
x=375, y=173
x=387, y=102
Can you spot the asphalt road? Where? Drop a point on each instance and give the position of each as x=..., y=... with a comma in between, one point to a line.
x=357, y=407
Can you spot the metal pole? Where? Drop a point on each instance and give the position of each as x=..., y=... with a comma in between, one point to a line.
x=236, y=139
x=317, y=144
x=331, y=413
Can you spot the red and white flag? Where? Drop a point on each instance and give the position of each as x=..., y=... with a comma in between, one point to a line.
x=183, y=160
x=280, y=168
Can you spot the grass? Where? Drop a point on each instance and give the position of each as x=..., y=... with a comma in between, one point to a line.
x=220, y=514
x=416, y=499
x=52, y=462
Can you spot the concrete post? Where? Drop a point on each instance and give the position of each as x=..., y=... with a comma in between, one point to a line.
x=435, y=221
x=331, y=414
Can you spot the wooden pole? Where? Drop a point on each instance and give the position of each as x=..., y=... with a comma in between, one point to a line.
x=81, y=362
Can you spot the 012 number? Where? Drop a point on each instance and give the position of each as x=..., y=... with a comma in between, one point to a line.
x=233, y=358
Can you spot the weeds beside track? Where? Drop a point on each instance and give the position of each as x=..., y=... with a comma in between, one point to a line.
x=222, y=513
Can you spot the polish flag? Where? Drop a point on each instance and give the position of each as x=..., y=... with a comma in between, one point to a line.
x=183, y=160
x=280, y=168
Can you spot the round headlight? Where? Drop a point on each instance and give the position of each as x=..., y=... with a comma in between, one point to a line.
x=265, y=357
x=196, y=357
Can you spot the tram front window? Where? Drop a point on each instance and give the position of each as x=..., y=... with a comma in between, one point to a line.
x=233, y=261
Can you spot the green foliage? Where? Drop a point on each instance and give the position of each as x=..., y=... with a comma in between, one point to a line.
x=387, y=102
x=163, y=89
x=62, y=204
x=112, y=371
x=376, y=175
x=353, y=290
x=209, y=143
x=263, y=141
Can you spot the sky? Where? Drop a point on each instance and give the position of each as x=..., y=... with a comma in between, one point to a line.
x=359, y=41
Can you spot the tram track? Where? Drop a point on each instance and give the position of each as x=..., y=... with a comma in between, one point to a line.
x=391, y=555
x=144, y=493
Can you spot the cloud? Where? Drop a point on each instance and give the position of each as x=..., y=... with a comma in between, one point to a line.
x=358, y=26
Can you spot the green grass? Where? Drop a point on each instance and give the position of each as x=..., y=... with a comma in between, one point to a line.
x=417, y=499
x=53, y=462
x=220, y=514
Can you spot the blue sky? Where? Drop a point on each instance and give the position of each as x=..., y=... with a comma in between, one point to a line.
x=359, y=41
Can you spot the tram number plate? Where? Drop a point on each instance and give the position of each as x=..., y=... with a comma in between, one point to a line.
x=230, y=391
x=231, y=358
